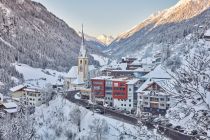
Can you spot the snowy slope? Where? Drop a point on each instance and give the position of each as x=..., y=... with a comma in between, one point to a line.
x=39, y=77
x=101, y=59
x=56, y=117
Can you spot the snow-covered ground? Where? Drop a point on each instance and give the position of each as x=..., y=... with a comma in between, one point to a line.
x=101, y=59
x=39, y=77
x=56, y=122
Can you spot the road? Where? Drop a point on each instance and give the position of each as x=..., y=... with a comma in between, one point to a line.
x=173, y=134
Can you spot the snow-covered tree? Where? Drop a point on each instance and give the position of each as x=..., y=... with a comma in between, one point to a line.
x=191, y=81
x=98, y=129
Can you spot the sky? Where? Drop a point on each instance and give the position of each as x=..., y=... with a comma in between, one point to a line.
x=109, y=17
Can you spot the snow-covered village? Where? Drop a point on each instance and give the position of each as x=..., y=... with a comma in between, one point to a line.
x=70, y=72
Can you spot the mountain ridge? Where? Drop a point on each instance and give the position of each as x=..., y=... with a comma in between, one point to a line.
x=166, y=20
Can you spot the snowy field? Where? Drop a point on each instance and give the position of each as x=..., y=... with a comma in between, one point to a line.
x=57, y=121
x=39, y=77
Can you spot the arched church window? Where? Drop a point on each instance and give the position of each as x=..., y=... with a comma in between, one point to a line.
x=80, y=61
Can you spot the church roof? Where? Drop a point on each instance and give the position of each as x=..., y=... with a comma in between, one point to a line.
x=83, y=51
x=78, y=82
x=73, y=72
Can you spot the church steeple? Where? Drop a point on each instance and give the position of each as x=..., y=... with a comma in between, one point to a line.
x=83, y=52
x=83, y=61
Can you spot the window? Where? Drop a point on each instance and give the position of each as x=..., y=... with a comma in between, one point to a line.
x=121, y=104
x=168, y=99
x=146, y=103
x=162, y=105
x=161, y=99
x=129, y=105
x=80, y=61
x=30, y=99
x=124, y=104
x=129, y=89
x=145, y=97
x=129, y=100
x=39, y=99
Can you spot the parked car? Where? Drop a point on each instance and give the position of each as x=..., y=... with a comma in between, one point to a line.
x=88, y=107
x=169, y=125
x=181, y=130
x=194, y=132
x=97, y=110
x=113, y=108
x=177, y=127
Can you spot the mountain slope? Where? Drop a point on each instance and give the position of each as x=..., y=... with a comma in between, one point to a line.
x=163, y=27
x=32, y=35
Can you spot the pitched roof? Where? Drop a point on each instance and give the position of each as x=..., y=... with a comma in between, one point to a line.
x=72, y=72
x=165, y=84
x=157, y=73
x=78, y=82
x=19, y=87
x=10, y=105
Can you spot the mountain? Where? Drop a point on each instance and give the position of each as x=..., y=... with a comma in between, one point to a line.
x=94, y=42
x=31, y=35
x=105, y=39
x=165, y=27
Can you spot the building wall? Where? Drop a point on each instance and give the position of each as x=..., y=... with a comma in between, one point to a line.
x=18, y=94
x=119, y=90
x=130, y=103
x=98, y=87
x=34, y=98
x=154, y=103
x=108, y=93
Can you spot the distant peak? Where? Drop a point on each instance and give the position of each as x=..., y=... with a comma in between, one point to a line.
x=105, y=39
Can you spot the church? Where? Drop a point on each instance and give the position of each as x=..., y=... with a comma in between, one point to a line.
x=79, y=76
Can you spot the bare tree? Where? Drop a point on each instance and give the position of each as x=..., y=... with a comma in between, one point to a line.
x=99, y=128
x=76, y=117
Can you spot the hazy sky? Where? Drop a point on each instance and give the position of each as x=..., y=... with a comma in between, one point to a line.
x=110, y=17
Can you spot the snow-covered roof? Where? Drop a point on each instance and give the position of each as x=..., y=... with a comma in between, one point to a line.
x=78, y=82
x=19, y=87
x=120, y=79
x=145, y=69
x=31, y=89
x=136, y=62
x=102, y=77
x=10, y=105
x=158, y=73
x=132, y=81
x=91, y=67
x=73, y=72
x=166, y=84
x=207, y=33
x=11, y=110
